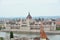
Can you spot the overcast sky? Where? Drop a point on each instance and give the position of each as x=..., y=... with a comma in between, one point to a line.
x=17, y=8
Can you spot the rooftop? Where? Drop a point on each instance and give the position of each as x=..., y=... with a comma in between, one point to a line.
x=29, y=16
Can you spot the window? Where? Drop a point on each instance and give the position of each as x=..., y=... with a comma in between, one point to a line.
x=35, y=27
x=24, y=25
x=15, y=27
x=32, y=23
x=24, y=22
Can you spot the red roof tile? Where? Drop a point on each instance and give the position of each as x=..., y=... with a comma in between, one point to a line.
x=57, y=22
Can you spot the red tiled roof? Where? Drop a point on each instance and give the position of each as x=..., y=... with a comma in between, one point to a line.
x=57, y=22
x=42, y=33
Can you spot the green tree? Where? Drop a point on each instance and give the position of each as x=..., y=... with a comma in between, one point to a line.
x=0, y=28
x=1, y=38
x=11, y=35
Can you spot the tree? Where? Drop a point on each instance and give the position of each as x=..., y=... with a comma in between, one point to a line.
x=1, y=38
x=11, y=35
x=0, y=28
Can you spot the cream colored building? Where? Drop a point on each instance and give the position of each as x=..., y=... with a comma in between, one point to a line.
x=30, y=24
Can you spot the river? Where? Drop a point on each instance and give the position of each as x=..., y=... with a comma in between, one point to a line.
x=51, y=37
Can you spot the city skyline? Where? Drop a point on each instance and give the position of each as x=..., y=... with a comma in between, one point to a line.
x=20, y=8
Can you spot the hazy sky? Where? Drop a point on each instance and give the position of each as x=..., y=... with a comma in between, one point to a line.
x=16, y=8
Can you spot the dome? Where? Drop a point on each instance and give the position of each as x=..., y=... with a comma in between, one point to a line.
x=29, y=16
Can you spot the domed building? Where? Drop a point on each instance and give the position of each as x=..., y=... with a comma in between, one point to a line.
x=29, y=16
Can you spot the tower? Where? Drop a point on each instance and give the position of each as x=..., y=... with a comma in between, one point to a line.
x=43, y=35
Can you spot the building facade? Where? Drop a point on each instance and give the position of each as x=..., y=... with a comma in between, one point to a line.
x=30, y=24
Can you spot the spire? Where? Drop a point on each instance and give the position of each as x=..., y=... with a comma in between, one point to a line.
x=29, y=16
x=42, y=33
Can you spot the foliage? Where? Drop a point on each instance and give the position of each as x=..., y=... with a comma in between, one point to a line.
x=57, y=28
x=1, y=38
x=0, y=28
x=11, y=34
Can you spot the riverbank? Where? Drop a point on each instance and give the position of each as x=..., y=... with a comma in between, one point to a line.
x=32, y=32
x=51, y=37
